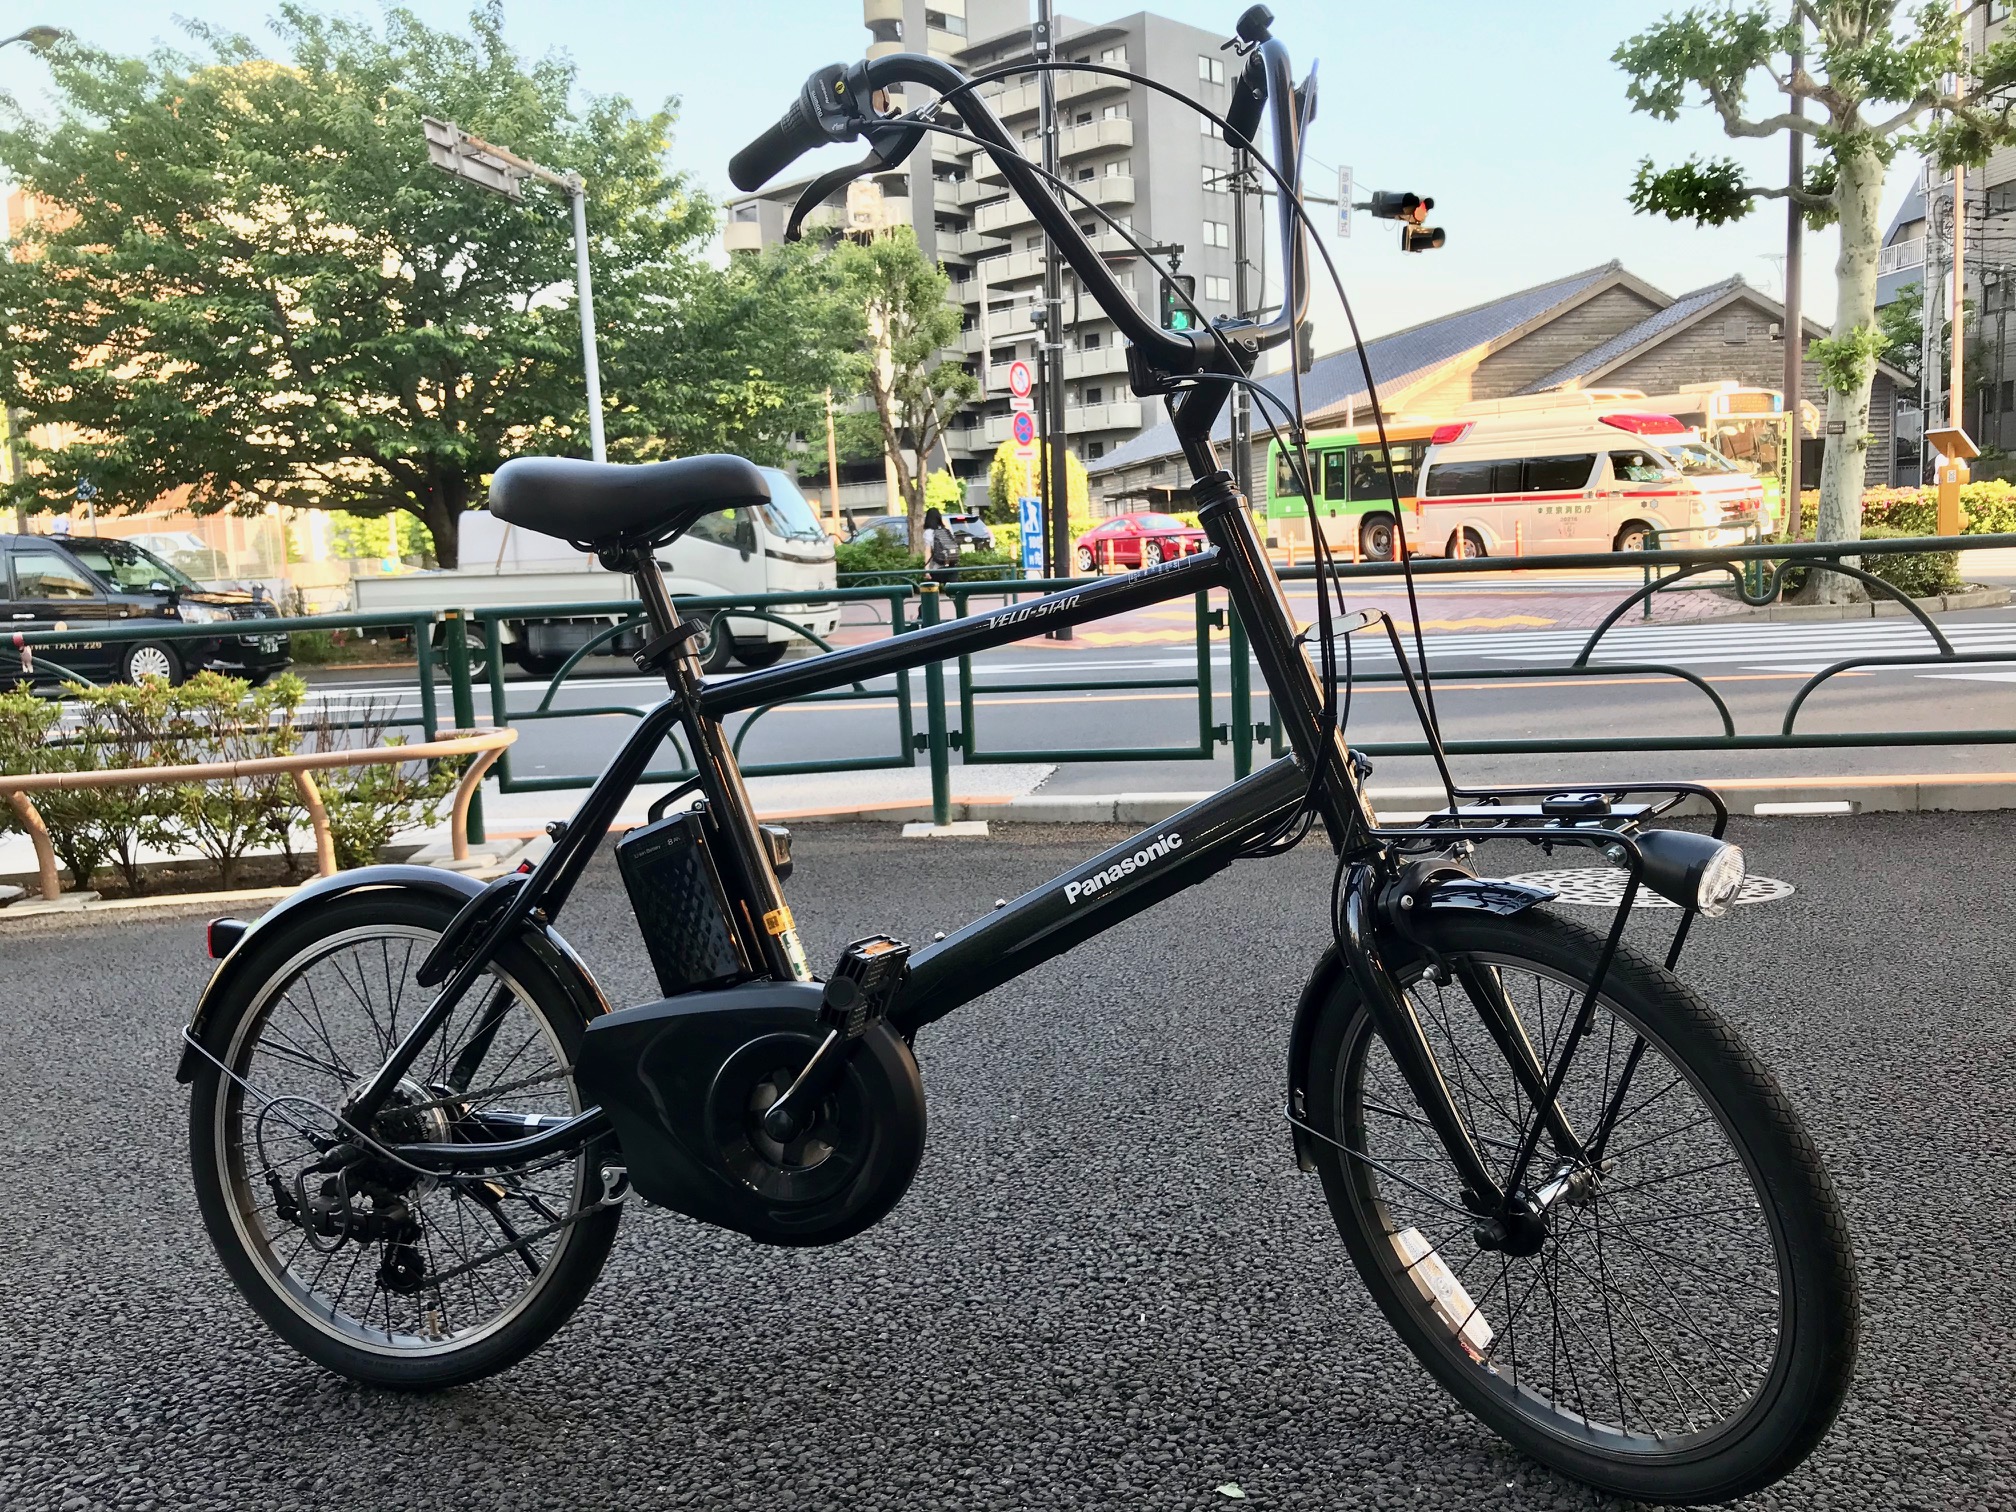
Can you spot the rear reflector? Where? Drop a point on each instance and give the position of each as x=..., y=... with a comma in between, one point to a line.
x=223, y=936
x=1642, y=424
x=1454, y=431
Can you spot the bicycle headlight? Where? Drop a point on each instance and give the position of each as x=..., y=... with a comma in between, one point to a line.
x=1695, y=871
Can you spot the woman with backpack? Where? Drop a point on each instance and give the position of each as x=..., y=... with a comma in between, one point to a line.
x=941, y=547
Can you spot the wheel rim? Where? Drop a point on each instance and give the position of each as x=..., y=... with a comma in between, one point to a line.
x=1379, y=542
x=1608, y=1336
x=149, y=661
x=1151, y=554
x=302, y=1041
x=1085, y=563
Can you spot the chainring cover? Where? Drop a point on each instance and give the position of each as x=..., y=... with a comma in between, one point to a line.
x=685, y=1082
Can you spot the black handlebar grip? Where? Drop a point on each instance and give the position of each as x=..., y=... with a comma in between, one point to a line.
x=1249, y=99
x=777, y=149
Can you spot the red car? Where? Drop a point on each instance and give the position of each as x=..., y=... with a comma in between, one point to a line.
x=1136, y=540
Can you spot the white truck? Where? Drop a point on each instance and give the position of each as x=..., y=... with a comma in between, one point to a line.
x=777, y=547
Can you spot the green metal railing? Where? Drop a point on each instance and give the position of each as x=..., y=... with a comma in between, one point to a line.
x=1755, y=570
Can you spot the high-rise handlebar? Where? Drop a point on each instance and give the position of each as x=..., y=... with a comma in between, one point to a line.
x=835, y=106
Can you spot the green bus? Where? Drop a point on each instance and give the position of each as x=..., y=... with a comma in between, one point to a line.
x=1350, y=479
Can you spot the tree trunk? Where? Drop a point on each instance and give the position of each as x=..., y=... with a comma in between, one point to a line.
x=441, y=512
x=1845, y=461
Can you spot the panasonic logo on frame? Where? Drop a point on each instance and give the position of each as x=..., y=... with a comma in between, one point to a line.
x=1126, y=866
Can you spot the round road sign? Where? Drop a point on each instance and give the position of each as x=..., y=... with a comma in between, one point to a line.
x=1018, y=379
x=1025, y=429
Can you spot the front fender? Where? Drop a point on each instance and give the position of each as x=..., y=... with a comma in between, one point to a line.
x=1331, y=975
x=567, y=967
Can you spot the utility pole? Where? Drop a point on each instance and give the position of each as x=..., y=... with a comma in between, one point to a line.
x=1795, y=327
x=832, y=463
x=1954, y=473
x=1242, y=397
x=1056, y=460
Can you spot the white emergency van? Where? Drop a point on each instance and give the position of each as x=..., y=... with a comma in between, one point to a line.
x=1549, y=473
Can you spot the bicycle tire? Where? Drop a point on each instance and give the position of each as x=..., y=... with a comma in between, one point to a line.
x=1816, y=1331
x=223, y=1184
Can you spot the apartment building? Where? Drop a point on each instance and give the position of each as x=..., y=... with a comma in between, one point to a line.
x=1137, y=155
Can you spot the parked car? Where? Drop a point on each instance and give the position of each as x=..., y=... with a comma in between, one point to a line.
x=1135, y=540
x=969, y=530
x=75, y=582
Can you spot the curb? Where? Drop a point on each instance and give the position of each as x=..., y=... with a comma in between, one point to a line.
x=1972, y=598
x=1936, y=792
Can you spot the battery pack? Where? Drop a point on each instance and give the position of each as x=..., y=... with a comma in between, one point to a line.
x=681, y=906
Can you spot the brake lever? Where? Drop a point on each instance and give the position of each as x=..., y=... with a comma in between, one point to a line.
x=890, y=145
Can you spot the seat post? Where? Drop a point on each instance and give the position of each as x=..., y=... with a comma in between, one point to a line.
x=642, y=565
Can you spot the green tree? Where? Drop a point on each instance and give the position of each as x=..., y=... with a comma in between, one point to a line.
x=1902, y=322
x=246, y=280
x=1004, y=482
x=1873, y=71
x=913, y=392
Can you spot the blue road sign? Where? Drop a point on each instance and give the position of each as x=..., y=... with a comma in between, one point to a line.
x=1025, y=429
x=1031, y=520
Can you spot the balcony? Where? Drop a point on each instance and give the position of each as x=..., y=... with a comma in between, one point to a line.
x=1016, y=267
x=1080, y=419
x=1009, y=215
x=968, y=243
x=1073, y=141
x=1901, y=255
x=1111, y=358
x=881, y=12
x=883, y=49
x=1121, y=414
x=742, y=236
x=1022, y=99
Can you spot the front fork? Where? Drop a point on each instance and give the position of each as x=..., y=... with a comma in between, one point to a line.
x=1365, y=934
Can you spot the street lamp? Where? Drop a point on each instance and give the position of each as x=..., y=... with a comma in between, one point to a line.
x=455, y=152
x=41, y=38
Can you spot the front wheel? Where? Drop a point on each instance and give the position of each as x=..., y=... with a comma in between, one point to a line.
x=145, y=659
x=1376, y=539
x=1677, y=1322
x=367, y=1267
x=758, y=654
x=1635, y=535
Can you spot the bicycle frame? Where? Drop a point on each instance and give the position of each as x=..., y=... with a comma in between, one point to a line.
x=1107, y=889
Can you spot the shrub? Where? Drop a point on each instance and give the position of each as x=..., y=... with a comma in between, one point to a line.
x=118, y=727
x=874, y=553
x=221, y=719
x=1916, y=574
x=25, y=722
x=368, y=805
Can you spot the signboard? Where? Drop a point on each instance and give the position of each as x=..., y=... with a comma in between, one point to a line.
x=1023, y=429
x=450, y=149
x=1030, y=518
x=1019, y=381
x=1343, y=201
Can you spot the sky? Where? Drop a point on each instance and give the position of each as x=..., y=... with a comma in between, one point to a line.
x=1511, y=116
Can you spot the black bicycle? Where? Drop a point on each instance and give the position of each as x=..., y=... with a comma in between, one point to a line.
x=1578, y=1197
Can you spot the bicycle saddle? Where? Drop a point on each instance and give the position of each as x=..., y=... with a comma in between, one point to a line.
x=613, y=504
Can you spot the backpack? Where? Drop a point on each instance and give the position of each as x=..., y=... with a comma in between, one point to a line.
x=944, y=549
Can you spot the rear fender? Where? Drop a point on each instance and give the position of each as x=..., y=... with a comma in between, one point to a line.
x=1443, y=895
x=556, y=954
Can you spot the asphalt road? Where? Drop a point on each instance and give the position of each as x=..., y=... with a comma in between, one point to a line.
x=1109, y=1286
x=1028, y=705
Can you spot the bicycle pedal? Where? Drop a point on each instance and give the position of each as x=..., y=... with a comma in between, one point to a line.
x=859, y=991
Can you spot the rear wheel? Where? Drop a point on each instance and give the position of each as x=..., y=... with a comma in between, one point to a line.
x=1151, y=553
x=1086, y=563
x=1376, y=538
x=367, y=1267
x=756, y=655
x=718, y=649
x=1678, y=1322
x=145, y=659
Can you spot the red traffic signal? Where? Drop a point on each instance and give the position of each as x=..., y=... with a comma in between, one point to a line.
x=1388, y=205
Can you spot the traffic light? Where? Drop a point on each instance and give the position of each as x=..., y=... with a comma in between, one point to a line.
x=1411, y=210
x=1387, y=205
x=1179, y=292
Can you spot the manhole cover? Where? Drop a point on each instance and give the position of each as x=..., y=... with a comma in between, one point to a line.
x=1603, y=887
